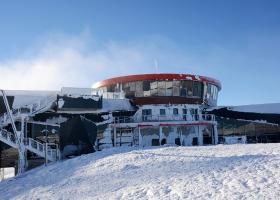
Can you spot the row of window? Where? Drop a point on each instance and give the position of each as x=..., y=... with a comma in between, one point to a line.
x=185, y=88
x=162, y=111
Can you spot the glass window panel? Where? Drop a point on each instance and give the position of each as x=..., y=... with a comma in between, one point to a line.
x=197, y=89
x=175, y=111
x=169, y=84
x=162, y=111
x=132, y=86
x=139, y=89
x=168, y=92
x=161, y=91
x=169, y=88
x=187, y=88
x=111, y=88
x=154, y=88
x=176, y=88
x=161, y=84
x=146, y=85
x=176, y=91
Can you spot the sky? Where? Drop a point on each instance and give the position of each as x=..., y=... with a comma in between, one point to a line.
x=45, y=45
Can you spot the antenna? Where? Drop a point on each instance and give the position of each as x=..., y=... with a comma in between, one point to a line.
x=156, y=65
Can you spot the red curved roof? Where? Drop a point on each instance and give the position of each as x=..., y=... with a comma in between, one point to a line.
x=167, y=77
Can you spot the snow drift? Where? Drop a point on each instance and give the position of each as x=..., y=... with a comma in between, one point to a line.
x=209, y=172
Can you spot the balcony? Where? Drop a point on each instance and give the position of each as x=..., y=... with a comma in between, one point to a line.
x=162, y=118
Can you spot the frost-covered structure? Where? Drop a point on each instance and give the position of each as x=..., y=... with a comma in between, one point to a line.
x=169, y=109
x=138, y=110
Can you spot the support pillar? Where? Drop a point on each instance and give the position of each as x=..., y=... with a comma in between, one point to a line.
x=139, y=138
x=181, y=137
x=160, y=135
x=115, y=136
x=200, y=135
x=215, y=134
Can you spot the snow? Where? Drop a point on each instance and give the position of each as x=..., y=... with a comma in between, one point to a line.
x=270, y=108
x=259, y=108
x=207, y=172
x=26, y=97
x=109, y=105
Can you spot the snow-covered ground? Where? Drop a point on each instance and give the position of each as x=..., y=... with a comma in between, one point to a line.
x=209, y=172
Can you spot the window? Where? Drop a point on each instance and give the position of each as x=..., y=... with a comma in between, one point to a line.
x=139, y=89
x=197, y=89
x=162, y=111
x=146, y=86
x=169, y=87
x=161, y=88
x=111, y=88
x=186, y=88
x=175, y=111
x=176, y=88
x=185, y=113
x=154, y=88
x=146, y=114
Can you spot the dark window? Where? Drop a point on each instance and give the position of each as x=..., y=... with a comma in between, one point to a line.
x=185, y=112
x=147, y=112
x=197, y=89
x=175, y=111
x=155, y=142
x=186, y=88
x=111, y=88
x=146, y=85
x=162, y=111
x=195, y=141
x=177, y=141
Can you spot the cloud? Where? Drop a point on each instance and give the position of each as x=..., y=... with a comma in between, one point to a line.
x=58, y=60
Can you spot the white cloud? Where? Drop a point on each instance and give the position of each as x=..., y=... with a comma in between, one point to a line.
x=59, y=60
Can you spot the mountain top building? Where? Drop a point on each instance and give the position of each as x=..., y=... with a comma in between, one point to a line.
x=137, y=110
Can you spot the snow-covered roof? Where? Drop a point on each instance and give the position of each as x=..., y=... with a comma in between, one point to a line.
x=109, y=105
x=270, y=108
x=26, y=97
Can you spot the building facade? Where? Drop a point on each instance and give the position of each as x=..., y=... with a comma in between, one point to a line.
x=170, y=109
x=138, y=110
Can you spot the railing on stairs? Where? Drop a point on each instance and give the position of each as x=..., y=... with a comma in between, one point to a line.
x=8, y=138
x=32, y=145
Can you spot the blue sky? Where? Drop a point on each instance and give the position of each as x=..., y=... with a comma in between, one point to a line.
x=50, y=44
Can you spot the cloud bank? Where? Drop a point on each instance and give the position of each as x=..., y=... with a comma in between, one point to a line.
x=58, y=60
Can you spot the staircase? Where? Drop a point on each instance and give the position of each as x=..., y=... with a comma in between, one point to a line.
x=16, y=140
x=31, y=145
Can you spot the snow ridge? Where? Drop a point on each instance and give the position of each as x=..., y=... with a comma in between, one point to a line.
x=206, y=172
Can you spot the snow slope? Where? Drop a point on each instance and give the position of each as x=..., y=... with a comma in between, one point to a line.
x=209, y=172
x=259, y=108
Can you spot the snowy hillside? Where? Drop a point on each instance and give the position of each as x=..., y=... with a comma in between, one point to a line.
x=212, y=172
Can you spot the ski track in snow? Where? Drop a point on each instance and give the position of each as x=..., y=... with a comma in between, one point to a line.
x=207, y=172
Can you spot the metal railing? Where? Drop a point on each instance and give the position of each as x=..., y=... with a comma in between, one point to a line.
x=158, y=118
x=31, y=145
x=8, y=138
x=40, y=149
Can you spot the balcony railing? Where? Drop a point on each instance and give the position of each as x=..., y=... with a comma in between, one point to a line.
x=160, y=118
